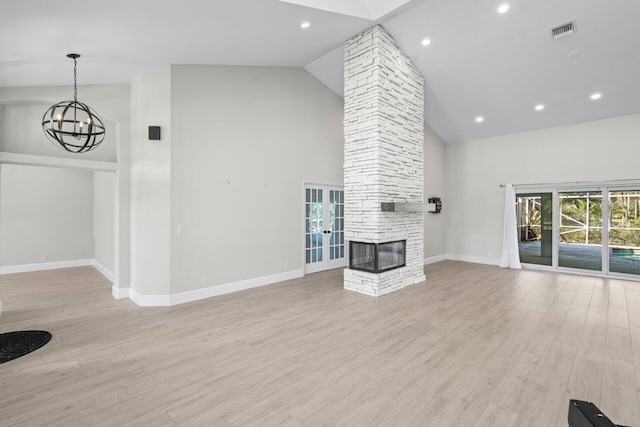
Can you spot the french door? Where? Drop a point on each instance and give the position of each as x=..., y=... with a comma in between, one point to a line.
x=593, y=229
x=324, y=246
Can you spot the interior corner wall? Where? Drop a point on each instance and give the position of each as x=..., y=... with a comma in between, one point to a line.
x=244, y=139
x=150, y=182
x=46, y=215
x=113, y=102
x=104, y=211
x=592, y=151
x=435, y=240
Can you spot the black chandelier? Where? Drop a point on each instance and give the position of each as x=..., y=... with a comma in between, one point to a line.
x=72, y=125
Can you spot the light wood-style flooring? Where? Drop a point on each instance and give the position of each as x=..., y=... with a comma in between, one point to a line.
x=474, y=345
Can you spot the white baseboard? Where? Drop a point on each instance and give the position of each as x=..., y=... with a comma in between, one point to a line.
x=120, y=293
x=464, y=258
x=26, y=268
x=212, y=291
x=437, y=258
x=149, y=300
x=474, y=259
x=102, y=269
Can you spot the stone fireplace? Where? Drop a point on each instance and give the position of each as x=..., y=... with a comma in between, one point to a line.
x=383, y=162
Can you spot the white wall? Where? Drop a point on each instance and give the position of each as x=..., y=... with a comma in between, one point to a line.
x=150, y=182
x=243, y=141
x=46, y=214
x=435, y=225
x=104, y=210
x=594, y=151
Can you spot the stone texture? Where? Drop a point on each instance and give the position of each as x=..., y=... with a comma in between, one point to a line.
x=384, y=137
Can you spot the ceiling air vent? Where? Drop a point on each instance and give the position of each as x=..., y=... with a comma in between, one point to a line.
x=563, y=30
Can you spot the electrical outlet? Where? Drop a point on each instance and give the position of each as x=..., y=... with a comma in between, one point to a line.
x=45, y=257
x=286, y=265
x=179, y=229
x=204, y=280
x=489, y=254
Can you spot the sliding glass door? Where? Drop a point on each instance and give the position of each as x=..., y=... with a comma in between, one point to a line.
x=592, y=229
x=580, y=234
x=535, y=227
x=624, y=232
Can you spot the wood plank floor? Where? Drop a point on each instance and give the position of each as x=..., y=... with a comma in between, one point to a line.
x=474, y=345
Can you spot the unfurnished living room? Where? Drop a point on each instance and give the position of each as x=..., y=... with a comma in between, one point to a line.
x=320, y=212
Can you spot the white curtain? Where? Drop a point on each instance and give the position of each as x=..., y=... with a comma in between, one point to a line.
x=510, y=257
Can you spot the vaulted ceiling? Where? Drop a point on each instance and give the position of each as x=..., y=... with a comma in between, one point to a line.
x=479, y=62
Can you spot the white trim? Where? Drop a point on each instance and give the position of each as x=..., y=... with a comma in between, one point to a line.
x=59, y=162
x=212, y=291
x=149, y=300
x=436, y=258
x=120, y=293
x=463, y=258
x=634, y=182
x=102, y=269
x=26, y=268
x=473, y=259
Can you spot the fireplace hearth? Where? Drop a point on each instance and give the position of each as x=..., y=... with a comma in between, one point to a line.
x=377, y=257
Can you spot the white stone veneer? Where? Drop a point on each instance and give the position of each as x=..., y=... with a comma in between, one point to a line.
x=383, y=162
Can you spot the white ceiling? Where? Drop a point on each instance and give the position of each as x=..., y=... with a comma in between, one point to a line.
x=369, y=9
x=479, y=62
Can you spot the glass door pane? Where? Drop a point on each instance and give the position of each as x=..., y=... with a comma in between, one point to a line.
x=580, y=234
x=313, y=225
x=336, y=224
x=624, y=232
x=535, y=227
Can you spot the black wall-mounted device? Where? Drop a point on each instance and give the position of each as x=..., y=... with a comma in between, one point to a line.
x=438, y=203
x=154, y=133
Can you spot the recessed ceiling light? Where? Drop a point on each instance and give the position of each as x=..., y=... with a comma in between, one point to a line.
x=426, y=42
x=503, y=8
x=539, y=107
x=479, y=119
x=595, y=96
x=305, y=25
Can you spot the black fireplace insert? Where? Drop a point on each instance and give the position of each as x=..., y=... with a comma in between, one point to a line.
x=377, y=257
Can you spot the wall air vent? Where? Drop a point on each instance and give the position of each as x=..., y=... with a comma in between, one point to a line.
x=563, y=30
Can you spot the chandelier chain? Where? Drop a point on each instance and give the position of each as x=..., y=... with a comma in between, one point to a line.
x=75, y=80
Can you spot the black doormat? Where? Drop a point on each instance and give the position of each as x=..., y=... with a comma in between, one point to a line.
x=16, y=344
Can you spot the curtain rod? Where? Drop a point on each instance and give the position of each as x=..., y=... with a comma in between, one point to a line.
x=576, y=183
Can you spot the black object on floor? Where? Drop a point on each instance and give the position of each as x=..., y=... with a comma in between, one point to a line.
x=16, y=344
x=586, y=414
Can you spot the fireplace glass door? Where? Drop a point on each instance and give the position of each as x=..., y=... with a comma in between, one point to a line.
x=324, y=228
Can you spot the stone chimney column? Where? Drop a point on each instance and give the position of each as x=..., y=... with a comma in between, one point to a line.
x=383, y=162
